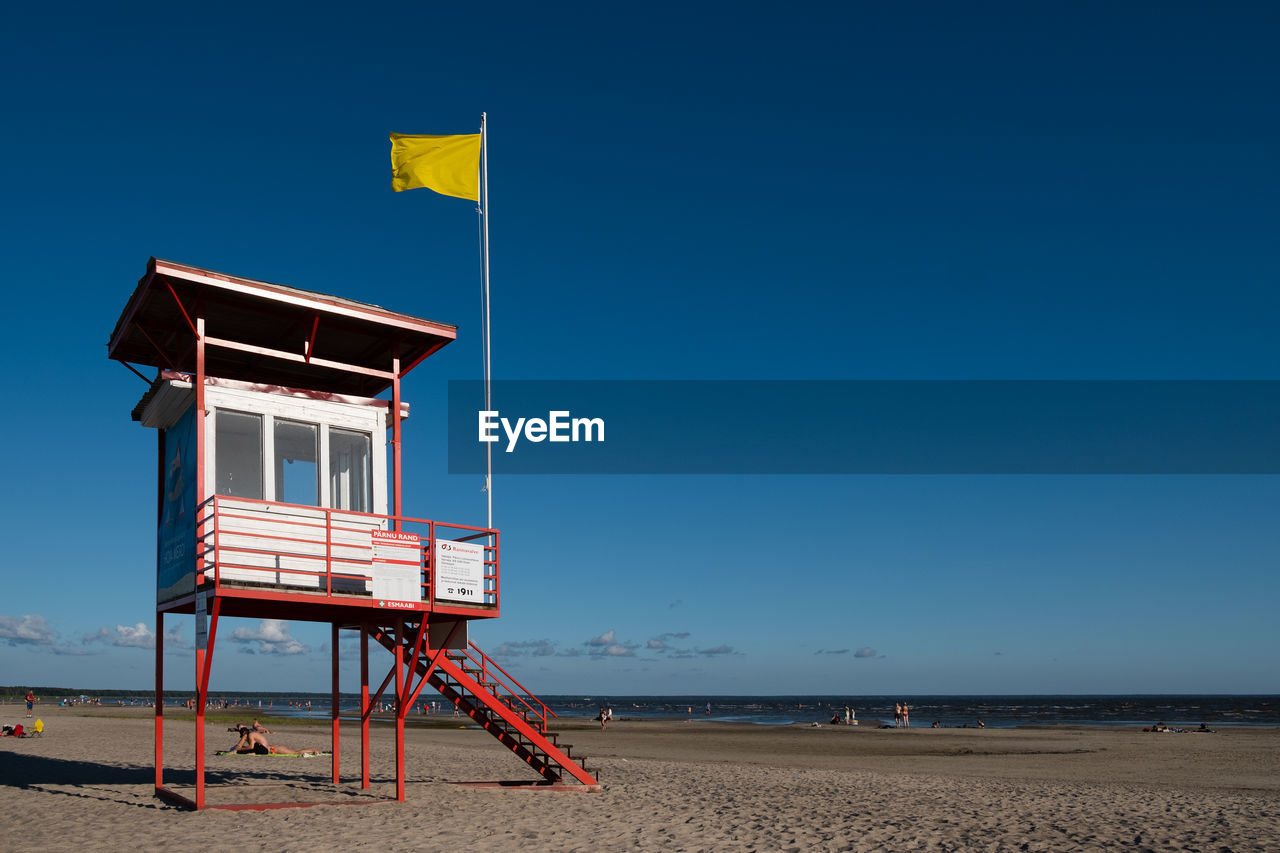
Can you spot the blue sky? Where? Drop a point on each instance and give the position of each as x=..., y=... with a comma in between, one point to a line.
x=745, y=191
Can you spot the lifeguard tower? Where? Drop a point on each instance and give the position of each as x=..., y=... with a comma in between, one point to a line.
x=272, y=502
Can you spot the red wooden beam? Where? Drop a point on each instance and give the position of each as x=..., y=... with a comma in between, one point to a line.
x=181, y=308
x=135, y=372
x=311, y=344
x=159, y=350
x=134, y=306
x=302, y=359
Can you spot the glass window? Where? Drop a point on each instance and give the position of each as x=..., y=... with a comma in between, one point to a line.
x=350, y=470
x=238, y=454
x=297, y=463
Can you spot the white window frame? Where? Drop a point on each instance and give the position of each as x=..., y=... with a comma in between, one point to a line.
x=370, y=420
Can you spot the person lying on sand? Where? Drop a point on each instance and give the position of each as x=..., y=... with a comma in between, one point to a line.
x=256, y=742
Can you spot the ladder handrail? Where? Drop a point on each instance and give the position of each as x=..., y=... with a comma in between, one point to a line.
x=523, y=689
x=486, y=662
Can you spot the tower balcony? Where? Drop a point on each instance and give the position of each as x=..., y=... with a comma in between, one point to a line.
x=312, y=562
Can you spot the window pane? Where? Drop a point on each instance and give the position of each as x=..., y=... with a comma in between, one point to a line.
x=297, y=463
x=238, y=454
x=350, y=470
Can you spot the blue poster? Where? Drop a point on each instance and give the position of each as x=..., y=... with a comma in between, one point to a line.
x=176, y=538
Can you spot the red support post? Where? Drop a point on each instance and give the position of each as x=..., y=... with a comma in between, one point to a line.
x=401, y=649
x=202, y=679
x=213, y=635
x=395, y=442
x=200, y=703
x=334, y=702
x=159, y=698
x=364, y=705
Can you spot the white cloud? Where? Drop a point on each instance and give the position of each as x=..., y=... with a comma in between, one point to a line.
x=271, y=637
x=128, y=636
x=33, y=632
x=865, y=652
x=608, y=638
x=30, y=629
x=660, y=644
x=523, y=648
x=607, y=645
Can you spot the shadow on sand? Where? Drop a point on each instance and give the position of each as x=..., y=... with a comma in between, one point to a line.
x=131, y=784
x=134, y=784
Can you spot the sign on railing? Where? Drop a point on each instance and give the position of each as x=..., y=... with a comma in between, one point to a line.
x=459, y=571
x=397, y=566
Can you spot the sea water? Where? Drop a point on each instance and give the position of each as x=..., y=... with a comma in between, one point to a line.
x=947, y=711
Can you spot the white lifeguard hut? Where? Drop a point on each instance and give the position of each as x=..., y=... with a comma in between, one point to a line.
x=274, y=501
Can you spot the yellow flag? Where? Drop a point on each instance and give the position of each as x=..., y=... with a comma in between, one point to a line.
x=450, y=165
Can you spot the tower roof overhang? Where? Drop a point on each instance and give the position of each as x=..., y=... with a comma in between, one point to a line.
x=256, y=331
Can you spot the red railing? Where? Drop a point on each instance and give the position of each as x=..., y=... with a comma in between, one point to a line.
x=485, y=666
x=317, y=549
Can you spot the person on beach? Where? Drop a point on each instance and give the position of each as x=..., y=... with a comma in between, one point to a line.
x=906, y=715
x=897, y=715
x=603, y=717
x=259, y=727
x=254, y=742
x=31, y=701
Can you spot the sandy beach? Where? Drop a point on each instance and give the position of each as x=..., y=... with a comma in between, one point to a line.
x=666, y=786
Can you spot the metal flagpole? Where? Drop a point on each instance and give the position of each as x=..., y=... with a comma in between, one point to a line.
x=484, y=213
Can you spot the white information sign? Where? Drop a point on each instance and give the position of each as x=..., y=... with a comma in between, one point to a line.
x=397, y=566
x=459, y=573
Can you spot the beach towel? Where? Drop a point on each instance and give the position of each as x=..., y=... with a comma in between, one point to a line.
x=272, y=754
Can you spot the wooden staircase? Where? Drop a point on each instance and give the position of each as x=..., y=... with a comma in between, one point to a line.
x=482, y=690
